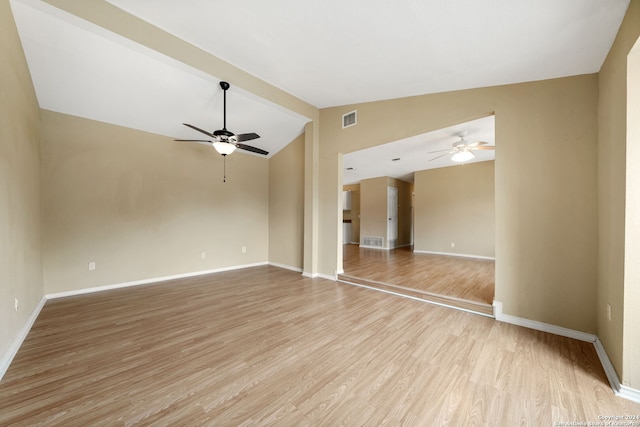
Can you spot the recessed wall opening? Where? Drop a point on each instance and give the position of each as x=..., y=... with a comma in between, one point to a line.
x=437, y=241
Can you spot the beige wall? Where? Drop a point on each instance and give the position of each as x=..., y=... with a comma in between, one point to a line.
x=286, y=206
x=612, y=145
x=546, y=188
x=20, y=219
x=354, y=213
x=456, y=205
x=373, y=208
x=143, y=206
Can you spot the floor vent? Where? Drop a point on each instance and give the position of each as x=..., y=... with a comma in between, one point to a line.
x=350, y=119
x=372, y=241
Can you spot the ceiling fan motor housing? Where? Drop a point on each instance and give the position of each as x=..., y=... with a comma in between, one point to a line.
x=223, y=134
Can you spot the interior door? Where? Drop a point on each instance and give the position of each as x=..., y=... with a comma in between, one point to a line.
x=392, y=217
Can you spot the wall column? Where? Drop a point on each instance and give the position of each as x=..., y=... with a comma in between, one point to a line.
x=631, y=315
x=311, y=190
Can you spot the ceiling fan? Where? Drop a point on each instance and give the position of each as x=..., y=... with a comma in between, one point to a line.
x=463, y=151
x=224, y=141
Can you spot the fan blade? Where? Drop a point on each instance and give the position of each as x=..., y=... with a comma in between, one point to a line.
x=489, y=147
x=437, y=157
x=247, y=136
x=194, y=140
x=199, y=130
x=475, y=144
x=439, y=151
x=197, y=141
x=252, y=149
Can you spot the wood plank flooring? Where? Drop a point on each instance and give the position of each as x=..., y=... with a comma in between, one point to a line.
x=266, y=346
x=466, y=283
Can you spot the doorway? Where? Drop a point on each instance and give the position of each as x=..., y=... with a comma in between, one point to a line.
x=441, y=264
x=392, y=217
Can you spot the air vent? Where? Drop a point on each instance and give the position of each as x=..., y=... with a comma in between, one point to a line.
x=350, y=119
x=372, y=241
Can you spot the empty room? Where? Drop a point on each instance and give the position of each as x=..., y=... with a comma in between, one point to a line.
x=172, y=215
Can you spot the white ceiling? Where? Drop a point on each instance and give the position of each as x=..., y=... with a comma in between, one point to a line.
x=415, y=153
x=326, y=52
x=337, y=52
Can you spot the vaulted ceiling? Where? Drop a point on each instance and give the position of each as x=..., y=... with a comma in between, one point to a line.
x=327, y=53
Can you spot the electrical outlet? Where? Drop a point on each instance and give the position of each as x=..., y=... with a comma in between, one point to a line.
x=203, y=255
x=609, y=312
x=244, y=250
x=453, y=245
x=92, y=266
x=16, y=303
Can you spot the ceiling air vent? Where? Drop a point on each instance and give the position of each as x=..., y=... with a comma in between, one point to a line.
x=350, y=119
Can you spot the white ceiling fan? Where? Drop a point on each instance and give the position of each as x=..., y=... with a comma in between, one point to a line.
x=462, y=151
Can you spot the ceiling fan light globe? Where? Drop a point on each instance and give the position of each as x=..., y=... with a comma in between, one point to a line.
x=224, y=148
x=462, y=156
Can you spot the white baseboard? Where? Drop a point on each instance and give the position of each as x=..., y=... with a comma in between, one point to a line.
x=629, y=393
x=11, y=352
x=7, y=358
x=148, y=281
x=320, y=276
x=540, y=326
x=373, y=247
x=328, y=277
x=286, y=267
x=455, y=254
x=609, y=370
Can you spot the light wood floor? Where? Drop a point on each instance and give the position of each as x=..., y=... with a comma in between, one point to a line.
x=266, y=346
x=467, y=283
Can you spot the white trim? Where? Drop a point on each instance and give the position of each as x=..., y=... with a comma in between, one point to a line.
x=328, y=277
x=540, y=326
x=320, y=276
x=380, y=248
x=618, y=389
x=148, y=281
x=609, y=370
x=415, y=298
x=286, y=267
x=11, y=352
x=454, y=254
x=629, y=393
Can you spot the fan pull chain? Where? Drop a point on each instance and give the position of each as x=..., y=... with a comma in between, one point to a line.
x=224, y=178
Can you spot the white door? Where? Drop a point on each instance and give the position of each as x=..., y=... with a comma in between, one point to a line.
x=392, y=217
